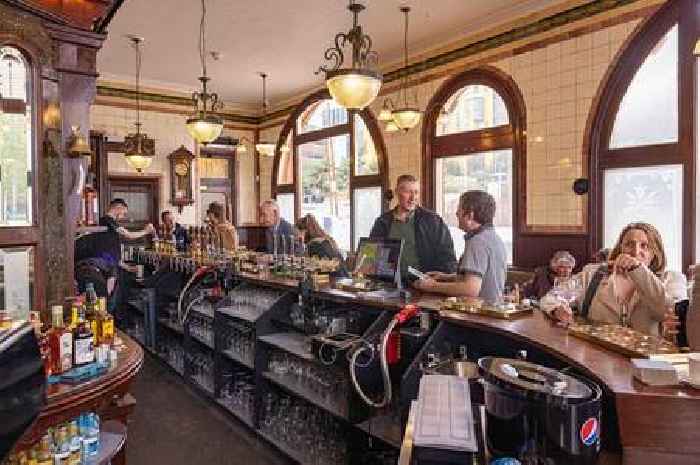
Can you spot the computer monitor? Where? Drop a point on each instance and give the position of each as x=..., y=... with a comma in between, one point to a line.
x=379, y=259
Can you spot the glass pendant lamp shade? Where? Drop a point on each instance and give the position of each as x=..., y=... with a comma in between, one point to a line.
x=391, y=127
x=139, y=162
x=353, y=89
x=406, y=118
x=205, y=128
x=266, y=149
x=385, y=113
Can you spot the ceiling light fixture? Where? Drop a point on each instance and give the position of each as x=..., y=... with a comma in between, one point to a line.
x=204, y=126
x=266, y=148
x=407, y=115
x=696, y=51
x=139, y=149
x=356, y=87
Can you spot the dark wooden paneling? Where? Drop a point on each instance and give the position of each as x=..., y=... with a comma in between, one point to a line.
x=536, y=249
x=252, y=236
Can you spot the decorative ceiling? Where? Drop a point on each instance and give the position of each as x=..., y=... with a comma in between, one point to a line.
x=283, y=38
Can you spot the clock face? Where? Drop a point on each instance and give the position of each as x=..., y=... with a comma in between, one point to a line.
x=181, y=168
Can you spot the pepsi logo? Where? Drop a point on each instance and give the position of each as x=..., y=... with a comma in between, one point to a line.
x=589, y=431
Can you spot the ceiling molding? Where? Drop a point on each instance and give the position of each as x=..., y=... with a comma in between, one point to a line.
x=518, y=33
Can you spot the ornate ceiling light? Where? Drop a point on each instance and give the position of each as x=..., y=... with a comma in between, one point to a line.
x=204, y=126
x=139, y=149
x=407, y=115
x=265, y=148
x=356, y=87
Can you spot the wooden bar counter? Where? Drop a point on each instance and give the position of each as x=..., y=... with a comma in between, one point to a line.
x=656, y=424
x=108, y=395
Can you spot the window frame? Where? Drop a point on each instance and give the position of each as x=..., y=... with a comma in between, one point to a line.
x=356, y=181
x=31, y=235
x=612, y=90
x=507, y=136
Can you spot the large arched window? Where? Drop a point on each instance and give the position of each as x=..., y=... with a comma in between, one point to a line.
x=336, y=169
x=642, y=137
x=472, y=139
x=19, y=230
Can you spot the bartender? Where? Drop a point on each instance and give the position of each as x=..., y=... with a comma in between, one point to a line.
x=275, y=224
x=482, y=267
x=427, y=243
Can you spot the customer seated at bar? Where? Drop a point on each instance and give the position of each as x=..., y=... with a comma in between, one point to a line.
x=482, y=267
x=632, y=289
x=560, y=267
x=319, y=243
x=225, y=232
x=173, y=229
x=276, y=225
x=427, y=243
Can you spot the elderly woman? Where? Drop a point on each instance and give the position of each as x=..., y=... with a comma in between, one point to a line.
x=561, y=265
x=635, y=277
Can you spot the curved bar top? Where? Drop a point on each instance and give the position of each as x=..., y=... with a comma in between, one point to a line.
x=66, y=401
x=656, y=424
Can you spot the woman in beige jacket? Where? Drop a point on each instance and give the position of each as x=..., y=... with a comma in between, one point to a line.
x=635, y=276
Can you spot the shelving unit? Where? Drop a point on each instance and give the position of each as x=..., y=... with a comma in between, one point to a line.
x=273, y=333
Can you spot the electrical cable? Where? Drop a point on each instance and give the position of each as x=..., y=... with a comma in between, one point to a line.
x=199, y=272
x=386, y=398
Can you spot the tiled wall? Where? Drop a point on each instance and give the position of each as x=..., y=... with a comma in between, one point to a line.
x=169, y=131
x=558, y=83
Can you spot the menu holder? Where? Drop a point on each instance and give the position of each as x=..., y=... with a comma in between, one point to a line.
x=456, y=308
x=624, y=341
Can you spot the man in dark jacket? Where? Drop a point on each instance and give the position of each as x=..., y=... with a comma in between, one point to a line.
x=276, y=226
x=427, y=241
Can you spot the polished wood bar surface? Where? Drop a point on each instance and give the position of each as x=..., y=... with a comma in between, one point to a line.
x=655, y=423
x=106, y=394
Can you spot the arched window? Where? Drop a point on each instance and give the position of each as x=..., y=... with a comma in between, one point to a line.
x=642, y=137
x=334, y=170
x=472, y=139
x=19, y=231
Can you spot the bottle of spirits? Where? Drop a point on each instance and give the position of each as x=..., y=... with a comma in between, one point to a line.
x=61, y=455
x=60, y=342
x=105, y=328
x=76, y=442
x=83, y=344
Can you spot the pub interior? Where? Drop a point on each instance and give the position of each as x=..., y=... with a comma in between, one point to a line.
x=359, y=232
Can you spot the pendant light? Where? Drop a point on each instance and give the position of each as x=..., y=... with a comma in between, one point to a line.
x=139, y=149
x=405, y=115
x=204, y=126
x=356, y=87
x=267, y=148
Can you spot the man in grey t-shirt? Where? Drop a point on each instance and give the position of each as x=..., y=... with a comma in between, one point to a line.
x=482, y=268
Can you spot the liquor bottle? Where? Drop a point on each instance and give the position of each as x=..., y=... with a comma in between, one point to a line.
x=45, y=351
x=61, y=454
x=44, y=455
x=83, y=344
x=60, y=342
x=105, y=328
x=90, y=302
x=76, y=442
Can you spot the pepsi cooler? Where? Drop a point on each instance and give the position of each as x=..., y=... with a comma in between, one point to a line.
x=540, y=415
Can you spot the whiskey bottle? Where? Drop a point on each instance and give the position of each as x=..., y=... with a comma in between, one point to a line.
x=105, y=328
x=60, y=342
x=61, y=447
x=83, y=344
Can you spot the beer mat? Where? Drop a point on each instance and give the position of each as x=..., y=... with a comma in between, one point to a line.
x=458, y=311
x=444, y=416
x=624, y=341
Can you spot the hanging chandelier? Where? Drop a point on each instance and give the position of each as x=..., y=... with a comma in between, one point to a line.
x=139, y=149
x=266, y=148
x=356, y=87
x=405, y=115
x=204, y=126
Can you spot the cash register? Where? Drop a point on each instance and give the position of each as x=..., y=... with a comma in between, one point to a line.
x=377, y=269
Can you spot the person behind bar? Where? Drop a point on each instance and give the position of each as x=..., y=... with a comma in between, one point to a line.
x=635, y=277
x=318, y=242
x=560, y=266
x=427, y=243
x=225, y=232
x=482, y=267
x=173, y=229
x=275, y=224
